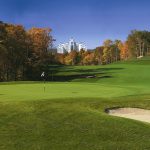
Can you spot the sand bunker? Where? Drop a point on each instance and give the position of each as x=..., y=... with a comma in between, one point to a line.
x=132, y=113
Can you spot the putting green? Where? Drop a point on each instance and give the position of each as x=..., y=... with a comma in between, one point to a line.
x=62, y=90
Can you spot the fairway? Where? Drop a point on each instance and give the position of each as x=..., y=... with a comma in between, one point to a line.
x=70, y=113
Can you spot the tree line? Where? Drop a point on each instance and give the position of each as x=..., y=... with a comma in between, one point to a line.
x=24, y=54
x=137, y=45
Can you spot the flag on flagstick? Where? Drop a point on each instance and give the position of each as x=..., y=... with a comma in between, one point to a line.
x=43, y=74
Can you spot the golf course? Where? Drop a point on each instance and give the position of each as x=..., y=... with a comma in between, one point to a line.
x=70, y=113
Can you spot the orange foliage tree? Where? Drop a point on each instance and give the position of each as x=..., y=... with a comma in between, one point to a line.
x=124, y=51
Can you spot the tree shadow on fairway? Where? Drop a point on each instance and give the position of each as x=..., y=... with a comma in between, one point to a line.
x=69, y=73
x=105, y=77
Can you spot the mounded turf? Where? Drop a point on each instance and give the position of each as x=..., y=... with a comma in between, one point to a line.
x=70, y=115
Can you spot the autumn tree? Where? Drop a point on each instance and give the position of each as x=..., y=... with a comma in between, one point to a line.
x=16, y=47
x=116, y=53
x=60, y=58
x=99, y=55
x=71, y=58
x=81, y=56
x=89, y=58
x=23, y=53
x=39, y=40
x=3, y=62
x=124, y=51
x=3, y=52
x=107, y=52
x=138, y=43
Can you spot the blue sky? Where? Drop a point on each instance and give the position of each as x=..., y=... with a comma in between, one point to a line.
x=89, y=21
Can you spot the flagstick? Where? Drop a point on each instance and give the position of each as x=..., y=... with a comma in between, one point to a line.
x=44, y=85
x=43, y=76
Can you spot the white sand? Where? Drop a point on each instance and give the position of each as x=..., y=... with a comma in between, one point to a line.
x=132, y=113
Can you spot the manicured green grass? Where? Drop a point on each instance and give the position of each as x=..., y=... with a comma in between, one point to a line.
x=70, y=115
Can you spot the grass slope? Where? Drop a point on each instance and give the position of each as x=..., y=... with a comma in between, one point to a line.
x=70, y=114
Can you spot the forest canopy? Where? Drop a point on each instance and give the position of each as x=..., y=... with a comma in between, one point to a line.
x=24, y=54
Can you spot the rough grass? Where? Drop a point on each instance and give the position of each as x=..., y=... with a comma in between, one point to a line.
x=70, y=115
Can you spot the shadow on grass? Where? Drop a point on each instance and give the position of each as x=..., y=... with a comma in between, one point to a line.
x=69, y=73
